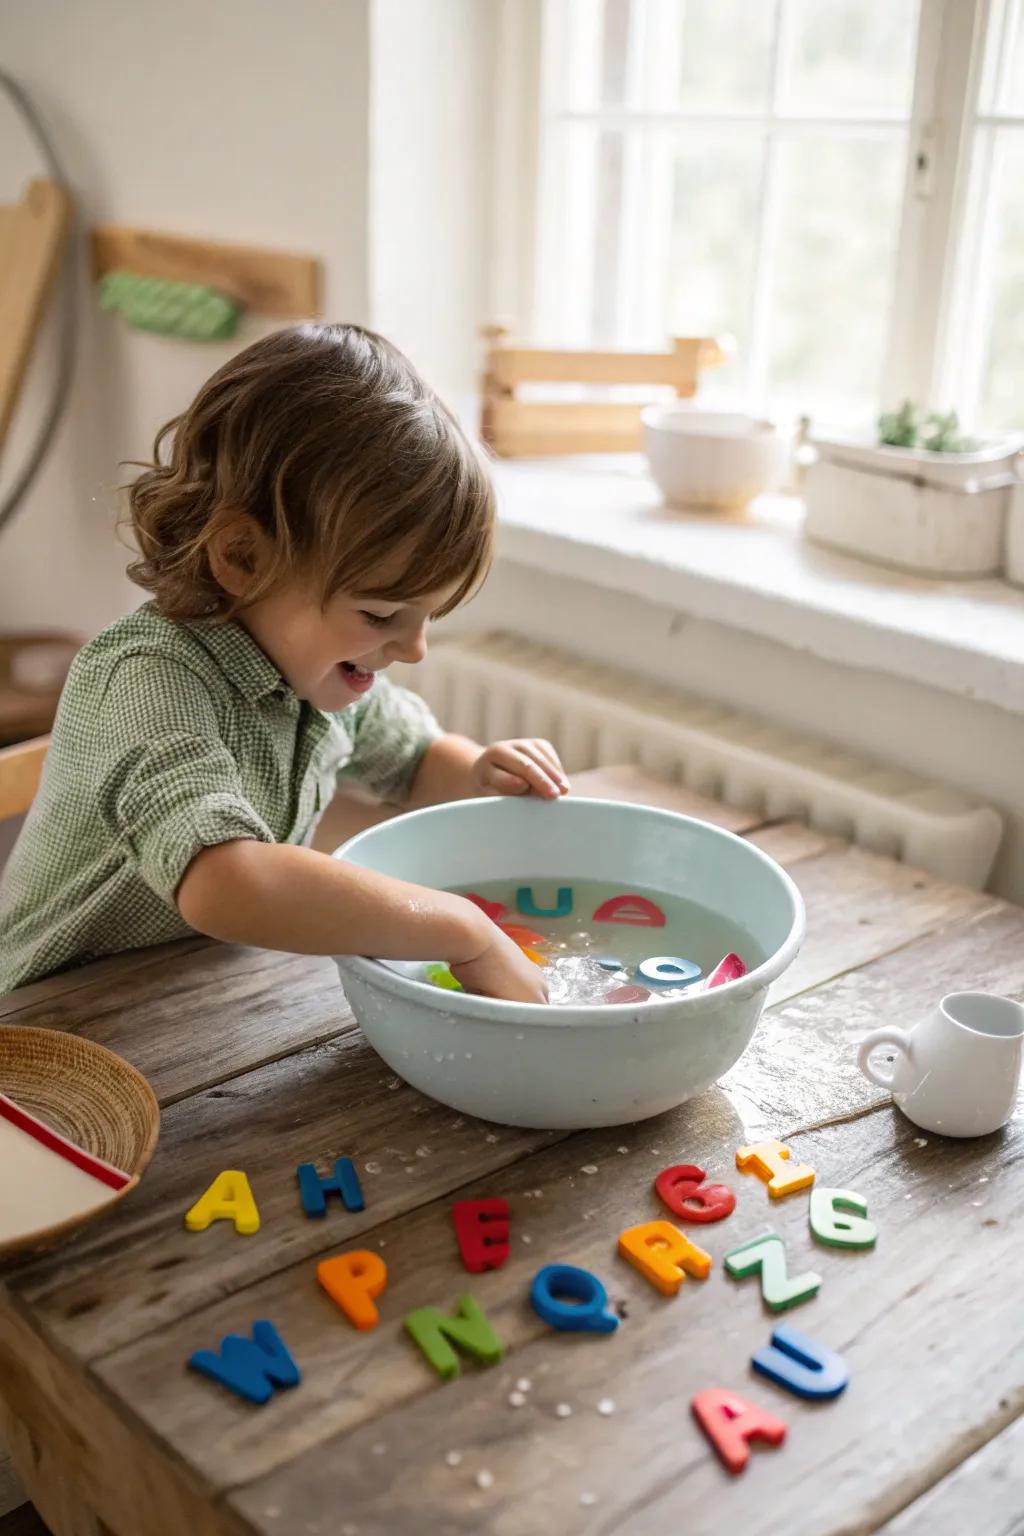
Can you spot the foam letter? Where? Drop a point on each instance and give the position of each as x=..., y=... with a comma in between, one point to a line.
x=250, y=1367
x=470, y=1330
x=352, y=1280
x=770, y=1162
x=663, y=1255
x=768, y=1255
x=529, y=908
x=730, y=1422
x=481, y=1227
x=637, y=911
x=228, y=1198
x=344, y=1182
x=840, y=1230
x=683, y=1185
x=797, y=1362
x=585, y=1313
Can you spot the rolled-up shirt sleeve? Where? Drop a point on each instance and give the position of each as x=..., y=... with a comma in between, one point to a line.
x=390, y=735
x=168, y=785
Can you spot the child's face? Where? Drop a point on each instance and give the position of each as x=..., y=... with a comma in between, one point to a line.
x=330, y=653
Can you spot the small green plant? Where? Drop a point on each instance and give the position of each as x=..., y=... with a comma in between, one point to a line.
x=907, y=428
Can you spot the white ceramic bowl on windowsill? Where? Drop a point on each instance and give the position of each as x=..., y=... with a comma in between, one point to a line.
x=715, y=459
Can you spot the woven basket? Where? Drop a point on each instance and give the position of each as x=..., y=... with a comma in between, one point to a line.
x=88, y=1095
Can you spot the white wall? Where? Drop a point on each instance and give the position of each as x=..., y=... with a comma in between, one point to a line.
x=241, y=120
x=431, y=108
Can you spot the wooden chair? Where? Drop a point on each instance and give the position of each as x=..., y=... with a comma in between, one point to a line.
x=20, y=771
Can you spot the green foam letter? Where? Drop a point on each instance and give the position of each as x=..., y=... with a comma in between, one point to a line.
x=470, y=1330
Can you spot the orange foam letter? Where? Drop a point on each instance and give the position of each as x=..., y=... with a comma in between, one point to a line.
x=663, y=1255
x=352, y=1279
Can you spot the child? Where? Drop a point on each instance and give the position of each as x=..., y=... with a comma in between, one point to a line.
x=318, y=505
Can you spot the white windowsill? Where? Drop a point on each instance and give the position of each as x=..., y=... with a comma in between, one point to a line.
x=601, y=520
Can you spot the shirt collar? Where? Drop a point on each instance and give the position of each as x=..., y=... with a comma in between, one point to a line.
x=241, y=660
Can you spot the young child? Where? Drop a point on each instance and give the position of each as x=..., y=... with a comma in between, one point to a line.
x=316, y=507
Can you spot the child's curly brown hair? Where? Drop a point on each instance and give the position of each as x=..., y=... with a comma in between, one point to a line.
x=329, y=438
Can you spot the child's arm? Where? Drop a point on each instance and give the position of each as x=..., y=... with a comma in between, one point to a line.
x=279, y=896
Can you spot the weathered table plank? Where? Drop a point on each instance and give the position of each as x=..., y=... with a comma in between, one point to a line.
x=200, y=1015
x=924, y=1392
x=984, y=1496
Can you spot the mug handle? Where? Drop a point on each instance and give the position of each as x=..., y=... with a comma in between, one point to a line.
x=895, y=1037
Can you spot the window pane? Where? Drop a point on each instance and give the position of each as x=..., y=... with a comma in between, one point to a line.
x=1002, y=81
x=716, y=193
x=1002, y=399
x=716, y=55
x=850, y=57
x=829, y=301
x=592, y=41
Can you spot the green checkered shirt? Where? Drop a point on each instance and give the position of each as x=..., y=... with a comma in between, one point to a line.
x=170, y=738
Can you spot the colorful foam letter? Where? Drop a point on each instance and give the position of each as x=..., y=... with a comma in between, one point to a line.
x=663, y=1255
x=344, y=1182
x=481, y=1227
x=352, y=1280
x=796, y=1362
x=627, y=994
x=228, y=1198
x=770, y=1161
x=470, y=1330
x=495, y=910
x=637, y=911
x=586, y=1311
x=521, y=935
x=681, y=1186
x=251, y=1367
x=440, y=976
x=729, y=969
x=830, y=1223
x=768, y=1255
x=731, y=1422
x=669, y=971
x=529, y=908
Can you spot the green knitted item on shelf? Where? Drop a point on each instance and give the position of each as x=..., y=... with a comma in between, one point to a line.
x=190, y=311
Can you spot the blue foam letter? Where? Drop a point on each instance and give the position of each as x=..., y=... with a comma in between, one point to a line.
x=250, y=1367
x=798, y=1363
x=344, y=1183
x=529, y=908
x=585, y=1313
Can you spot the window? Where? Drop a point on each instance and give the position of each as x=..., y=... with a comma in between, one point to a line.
x=789, y=172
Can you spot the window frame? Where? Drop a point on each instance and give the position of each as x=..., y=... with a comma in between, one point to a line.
x=928, y=332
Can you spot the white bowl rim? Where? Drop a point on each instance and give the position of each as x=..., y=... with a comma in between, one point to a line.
x=500, y=1010
x=660, y=418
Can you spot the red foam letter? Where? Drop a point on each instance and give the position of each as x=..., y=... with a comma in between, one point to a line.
x=635, y=910
x=729, y=969
x=678, y=1187
x=730, y=1422
x=481, y=1227
x=495, y=910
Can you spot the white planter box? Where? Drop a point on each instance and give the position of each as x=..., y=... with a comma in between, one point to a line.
x=934, y=514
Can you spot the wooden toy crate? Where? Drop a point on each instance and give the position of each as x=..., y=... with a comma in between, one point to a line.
x=517, y=428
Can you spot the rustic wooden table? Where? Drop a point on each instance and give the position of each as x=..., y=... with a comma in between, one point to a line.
x=259, y=1066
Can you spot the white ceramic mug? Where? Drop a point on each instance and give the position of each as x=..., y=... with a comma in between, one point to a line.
x=958, y=1071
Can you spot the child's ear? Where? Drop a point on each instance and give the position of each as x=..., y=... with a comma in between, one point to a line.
x=240, y=553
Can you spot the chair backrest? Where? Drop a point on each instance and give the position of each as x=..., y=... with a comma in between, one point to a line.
x=20, y=771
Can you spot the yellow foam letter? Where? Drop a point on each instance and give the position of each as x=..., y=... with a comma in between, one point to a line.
x=228, y=1198
x=769, y=1160
x=352, y=1280
x=663, y=1255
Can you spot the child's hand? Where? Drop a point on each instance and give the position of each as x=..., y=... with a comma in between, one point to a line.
x=516, y=767
x=502, y=970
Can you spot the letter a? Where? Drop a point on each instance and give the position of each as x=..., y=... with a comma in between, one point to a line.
x=228, y=1198
x=730, y=1422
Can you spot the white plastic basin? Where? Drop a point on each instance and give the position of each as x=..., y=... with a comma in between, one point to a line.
x=563, y=1068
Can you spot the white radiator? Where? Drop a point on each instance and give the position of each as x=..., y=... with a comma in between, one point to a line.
x=494, y=686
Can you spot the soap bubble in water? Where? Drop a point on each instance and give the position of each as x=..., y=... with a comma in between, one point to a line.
x=577, y=979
